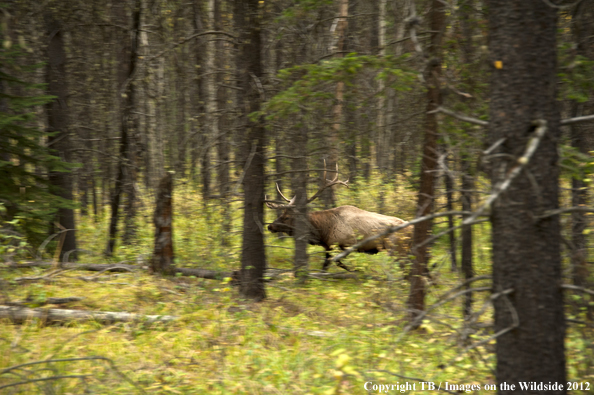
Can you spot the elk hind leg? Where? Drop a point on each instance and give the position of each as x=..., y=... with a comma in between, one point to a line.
x=328, y=262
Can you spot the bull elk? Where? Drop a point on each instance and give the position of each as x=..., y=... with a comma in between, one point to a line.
x=342, y=226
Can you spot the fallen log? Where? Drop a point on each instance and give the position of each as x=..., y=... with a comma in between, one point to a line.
x=21, y=314
x=25, y=303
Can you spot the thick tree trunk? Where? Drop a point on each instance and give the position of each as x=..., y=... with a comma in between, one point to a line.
x=526, y=250
x=416, y=299
x=253, y=257
x=59, y=141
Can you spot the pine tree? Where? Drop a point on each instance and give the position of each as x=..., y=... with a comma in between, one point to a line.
x=25, y=160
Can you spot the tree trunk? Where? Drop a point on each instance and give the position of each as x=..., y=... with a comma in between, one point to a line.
x=253, y=257
x=162, y=260
x=301, y=264
x=339, y=29
x=468, y=27
x=449, y=187
x=526, y=250
x=583, y=32
x=59, y=141
x=416, y=298
x=467, y=185
x=126, y=171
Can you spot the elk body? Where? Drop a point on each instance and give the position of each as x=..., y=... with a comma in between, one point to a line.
x=343, y=227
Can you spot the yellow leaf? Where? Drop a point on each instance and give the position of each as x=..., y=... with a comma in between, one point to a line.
x=498, y=64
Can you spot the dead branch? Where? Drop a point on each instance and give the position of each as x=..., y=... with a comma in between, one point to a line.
x=515, y=324
x=459, y=116
x=580, y=209
x=25, y=303
x=570, y=121
x=22, y=314
x=578, y=288
x=112, y=366
x=521, y=162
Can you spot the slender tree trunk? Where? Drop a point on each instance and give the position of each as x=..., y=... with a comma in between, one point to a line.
x=583, y=32
x=449, y=187
x=467, y=185
x=301, y=264
x=416, y=299
x=126, y=163
x=381, y=145
x=253, y=257
x=468, y=27
x=59, y=141
x=526, y=250
x=339, y=29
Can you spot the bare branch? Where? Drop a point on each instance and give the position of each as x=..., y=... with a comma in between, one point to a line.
x=514, y=172
x=514, y=325
x=562, y=7
x=459, y=116
x=580, y=209
x=570, y=121
x=577, y=288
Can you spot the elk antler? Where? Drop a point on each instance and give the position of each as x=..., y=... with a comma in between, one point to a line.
x=329, y=183
x=283, y=196
x=271, y=204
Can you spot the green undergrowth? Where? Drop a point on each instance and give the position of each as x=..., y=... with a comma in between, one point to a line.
x=326, y=337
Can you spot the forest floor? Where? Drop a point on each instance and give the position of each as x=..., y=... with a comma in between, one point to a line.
x=326, y=337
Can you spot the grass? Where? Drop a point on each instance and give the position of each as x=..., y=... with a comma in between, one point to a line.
x=327, y=337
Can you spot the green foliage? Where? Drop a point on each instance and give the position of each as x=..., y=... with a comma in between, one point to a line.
x=24, y=158
x=326, y=337
x=576, y=73
x=308, y=87
x=579, y=165
x=301, y=9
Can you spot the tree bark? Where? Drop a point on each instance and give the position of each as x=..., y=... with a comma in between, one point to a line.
x=253, y=257
x=526, y=251
x=467, y=185
x=162, y=261
x=301, y=263
x=583, y=33
x=59, y=140
x=416, y=298
x=51, y=316
x=468, y=27
x=125, y=177
x=339, y=31
x=449, y=187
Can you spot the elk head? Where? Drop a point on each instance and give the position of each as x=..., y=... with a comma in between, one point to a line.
x=284, y=223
